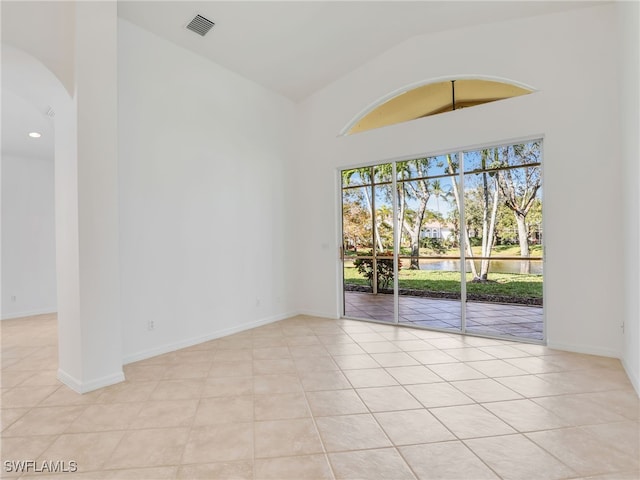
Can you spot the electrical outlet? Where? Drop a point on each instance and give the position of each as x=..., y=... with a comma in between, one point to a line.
x=151, y=325
x=13, y=298
x=258, y=302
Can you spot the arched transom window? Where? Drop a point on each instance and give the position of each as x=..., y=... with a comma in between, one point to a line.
x=435, y=98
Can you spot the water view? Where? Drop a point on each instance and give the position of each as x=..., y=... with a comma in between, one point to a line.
x=496, y=266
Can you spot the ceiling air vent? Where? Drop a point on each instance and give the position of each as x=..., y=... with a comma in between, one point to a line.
x=200, y=25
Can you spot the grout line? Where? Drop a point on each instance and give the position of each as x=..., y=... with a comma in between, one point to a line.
x=313, y=420
x=573, y=370
x=195, y=414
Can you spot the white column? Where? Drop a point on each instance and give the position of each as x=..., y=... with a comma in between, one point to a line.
x=90, y=338
x=629, y=79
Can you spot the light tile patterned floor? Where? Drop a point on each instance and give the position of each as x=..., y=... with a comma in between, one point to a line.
x=316, y=398
x=519, y=321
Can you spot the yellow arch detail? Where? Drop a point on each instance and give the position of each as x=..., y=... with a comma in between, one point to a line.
x=435, y=98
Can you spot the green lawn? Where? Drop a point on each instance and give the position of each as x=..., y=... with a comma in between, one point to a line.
x=508, y=284
x=507, y=250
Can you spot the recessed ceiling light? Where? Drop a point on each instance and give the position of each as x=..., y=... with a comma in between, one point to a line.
x=35, y=134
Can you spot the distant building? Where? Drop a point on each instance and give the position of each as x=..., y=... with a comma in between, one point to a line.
x=437, y=230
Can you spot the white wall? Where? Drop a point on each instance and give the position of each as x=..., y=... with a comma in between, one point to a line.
x=570, y=58
x=28, y=236
x=205, y=222
x=629, y=77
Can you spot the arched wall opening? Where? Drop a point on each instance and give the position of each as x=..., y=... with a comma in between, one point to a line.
x=89, y=330
x=75, y=46
x=28, y=216
x=33, y=82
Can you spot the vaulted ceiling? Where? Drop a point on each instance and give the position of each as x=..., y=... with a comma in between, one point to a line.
x=298, y=47
x=291, y=47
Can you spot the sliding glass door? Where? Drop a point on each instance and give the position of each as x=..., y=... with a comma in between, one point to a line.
x=449, y=242
x=430, y=277
x=503, y=211
x=368, y=243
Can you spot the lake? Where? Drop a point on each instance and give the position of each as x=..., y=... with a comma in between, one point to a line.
x=496, y=266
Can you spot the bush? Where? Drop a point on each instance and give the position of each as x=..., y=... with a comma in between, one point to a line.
x=434, y=244
x=475, y=241
x=385, y=269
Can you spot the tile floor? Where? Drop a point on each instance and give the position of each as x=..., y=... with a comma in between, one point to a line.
x=519, y=321
x=320, y=399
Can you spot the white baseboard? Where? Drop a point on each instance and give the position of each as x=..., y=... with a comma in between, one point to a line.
x=84, y=387
x=170, y=347
x=311, y=313
x=29, y=313
x=633, y=374
x=588, y=350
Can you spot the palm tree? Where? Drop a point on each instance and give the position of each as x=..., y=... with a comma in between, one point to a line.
x=438, y=191
x=366, y=175
x=384, y=219
x=418, y=192
x=452, y=168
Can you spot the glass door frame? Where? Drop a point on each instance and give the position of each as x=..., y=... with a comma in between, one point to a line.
x=462, y=239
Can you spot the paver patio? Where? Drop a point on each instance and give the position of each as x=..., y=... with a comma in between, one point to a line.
x=519, y=321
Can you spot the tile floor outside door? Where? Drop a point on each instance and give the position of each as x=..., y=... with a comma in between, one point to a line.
x=502, y=320
x=320, y=399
